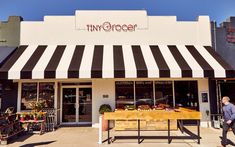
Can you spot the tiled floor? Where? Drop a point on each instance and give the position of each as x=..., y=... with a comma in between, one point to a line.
x=88, y=137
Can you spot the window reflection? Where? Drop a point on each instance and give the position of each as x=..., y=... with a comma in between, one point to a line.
x=163, y=93
x=186, y=94
x=28, y=95
x=144, y=93
x=124, y=93
x=46, y=94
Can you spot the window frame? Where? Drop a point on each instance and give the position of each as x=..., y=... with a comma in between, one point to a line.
x=154, y=92
x=20, y=88
x=133, y=82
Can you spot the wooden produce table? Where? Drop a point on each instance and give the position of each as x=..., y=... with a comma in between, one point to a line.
x=154, y=115
x=145, y=124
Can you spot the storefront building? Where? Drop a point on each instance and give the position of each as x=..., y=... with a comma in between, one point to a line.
x=223, y=41
x=10, y=31
x=77, y=63
x=9, y=40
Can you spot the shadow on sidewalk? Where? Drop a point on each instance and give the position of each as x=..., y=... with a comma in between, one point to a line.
x=19, y=138
x=229, y=142
x=37, y=144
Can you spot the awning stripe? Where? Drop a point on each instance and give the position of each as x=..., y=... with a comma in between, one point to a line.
x=175, y=70
x=50, y=71
x=62, y=69
x=38, y=70
x=26, y=72
x=207, y=69
x=219, y=72
x=85, y=68
x=11, y=61
x=186, y=70
x=96, y=69
x=108, y=62
x=115, y=61
x=196, y=68
x=164, y=70
x=14, y=72
x=5, y=53
x=130, y=67
x=73, y=71
x=153, y=70
x=119, y=67
x=229, y=72
x=142, y=71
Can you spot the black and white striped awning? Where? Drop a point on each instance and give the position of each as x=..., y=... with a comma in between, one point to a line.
x=114, y=61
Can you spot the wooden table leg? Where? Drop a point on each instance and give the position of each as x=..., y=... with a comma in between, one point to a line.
x=108, y=132
x=181, y=126
x=138, y=131
x=198, y=131
x=169, y=139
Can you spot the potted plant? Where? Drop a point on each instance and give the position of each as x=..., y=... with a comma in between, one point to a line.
x=35, y=117
x=40, y=115
x=37, y=106
x=22, y=116
x=104, y=108
x=129, y=107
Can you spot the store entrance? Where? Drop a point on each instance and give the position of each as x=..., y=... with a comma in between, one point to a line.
x=76, y=105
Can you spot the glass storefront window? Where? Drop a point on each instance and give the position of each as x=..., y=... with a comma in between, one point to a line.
x=124, y=93
x=186, y=94
x=46, y=94
x=163, y=93
x=144, y=93
x=28, y=95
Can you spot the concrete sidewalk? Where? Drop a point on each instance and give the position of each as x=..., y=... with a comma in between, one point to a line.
x=88, y=137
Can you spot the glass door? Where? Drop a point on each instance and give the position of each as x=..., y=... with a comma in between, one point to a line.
x=85, y=105
x=77, y=105
x=69, y=106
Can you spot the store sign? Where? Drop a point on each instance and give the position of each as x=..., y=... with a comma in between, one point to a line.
x=230, y=35
x=112, y=21
x=109, y=27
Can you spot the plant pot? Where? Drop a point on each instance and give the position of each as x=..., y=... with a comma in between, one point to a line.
x=104, y=124
x=21, y=118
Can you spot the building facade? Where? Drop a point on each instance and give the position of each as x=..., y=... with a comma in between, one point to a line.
x=10, y=31
x=9, y=40
x=77, y=63
x=223, y=41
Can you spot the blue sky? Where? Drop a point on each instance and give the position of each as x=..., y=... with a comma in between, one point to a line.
x=218, y=10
